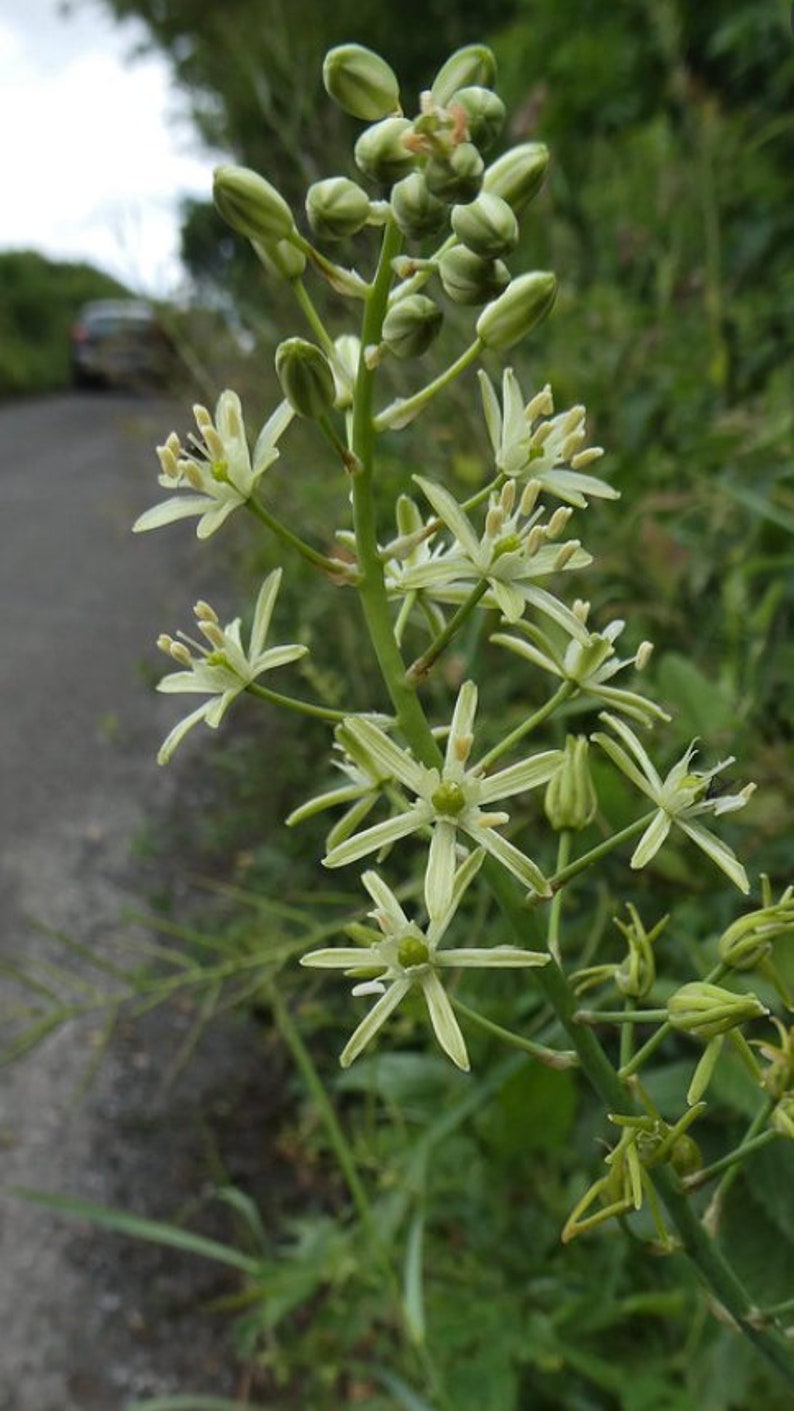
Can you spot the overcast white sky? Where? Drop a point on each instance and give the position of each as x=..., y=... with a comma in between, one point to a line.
x=92, y=153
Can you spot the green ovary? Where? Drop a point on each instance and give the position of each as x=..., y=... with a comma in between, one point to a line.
x=412, y=951
x=449, y=799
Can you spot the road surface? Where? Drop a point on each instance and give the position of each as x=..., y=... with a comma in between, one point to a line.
x=82, y=602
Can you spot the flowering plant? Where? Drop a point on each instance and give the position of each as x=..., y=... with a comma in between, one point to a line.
x=498, y=559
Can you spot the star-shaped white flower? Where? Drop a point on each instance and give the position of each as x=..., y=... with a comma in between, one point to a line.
x=588, y=665
x=680, y=797
x=365, y=784
x=529, y=442
x=449, y=801
x=223, y=669
x=513, y=551
x=215, y=473
x=405, y=957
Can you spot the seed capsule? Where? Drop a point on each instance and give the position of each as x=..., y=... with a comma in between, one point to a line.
x=250, y=205
x=709, y=1010
x=361, y=82
x=516, y=312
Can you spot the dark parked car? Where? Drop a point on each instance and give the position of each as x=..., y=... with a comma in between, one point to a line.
x=119, y=342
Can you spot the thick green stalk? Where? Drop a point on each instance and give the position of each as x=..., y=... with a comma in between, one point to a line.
x=372, y=588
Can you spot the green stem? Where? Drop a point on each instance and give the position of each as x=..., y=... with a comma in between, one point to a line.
x=555, y=910
x=759, y=1121
x=406, y=408
x=601, y=850
x=626, y=1040
x=334, y=717
x=313, y=318
x=550, y=1057
x=621, y=1016
x=423, y=664
x=648, y=1049
x=731, y=1161
x=335, y=567
x=372, y=588
x=527, y=726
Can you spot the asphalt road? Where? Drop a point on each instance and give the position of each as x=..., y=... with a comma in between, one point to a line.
x=82, y=602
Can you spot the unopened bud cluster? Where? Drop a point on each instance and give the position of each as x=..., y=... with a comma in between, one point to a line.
x=432, y=181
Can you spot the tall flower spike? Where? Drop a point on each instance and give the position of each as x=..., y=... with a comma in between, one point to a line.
x=402, y=957
x=680, y=798
x=530, y=443
x=222, y=669
x=215, y=473
x=449, y=801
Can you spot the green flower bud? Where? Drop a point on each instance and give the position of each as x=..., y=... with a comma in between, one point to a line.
x=336, y=207
x=281, y=259
x=361, y=82
x=306, y=377
x=250, y=205
x=570, y=800
x=748, y=941
x=709, y=1010
x=516, y=312
x=782, y=1119
x=474, y=64
x=686, y=1157
x=469, y=280
x=411, y=325
x=487, y=226
x=518, y=175
x=416, y=212
x=381, y=152
x=485, y=114
x=456, y=177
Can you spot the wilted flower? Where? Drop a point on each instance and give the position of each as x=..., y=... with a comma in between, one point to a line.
x=448, y=801
x=224, y=668
x=215, y=472
x=406, y=957
x=681, y=797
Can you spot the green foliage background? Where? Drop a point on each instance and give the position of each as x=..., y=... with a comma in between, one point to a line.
x=39, y=302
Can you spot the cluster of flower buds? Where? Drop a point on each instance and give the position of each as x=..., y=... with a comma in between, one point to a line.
x=432, y=182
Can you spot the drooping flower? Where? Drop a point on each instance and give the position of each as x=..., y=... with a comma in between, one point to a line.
x=529, y=442
x=680, y=798
x=449, y=801
x=402, y=956
x=587, y=663
x=215, y=473
x=224, y=668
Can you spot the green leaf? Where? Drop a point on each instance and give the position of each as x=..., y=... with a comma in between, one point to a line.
x=155, y=1231
x=533, y=1111
x=758, y=1249
x=701, y=706
x=413, y=1279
